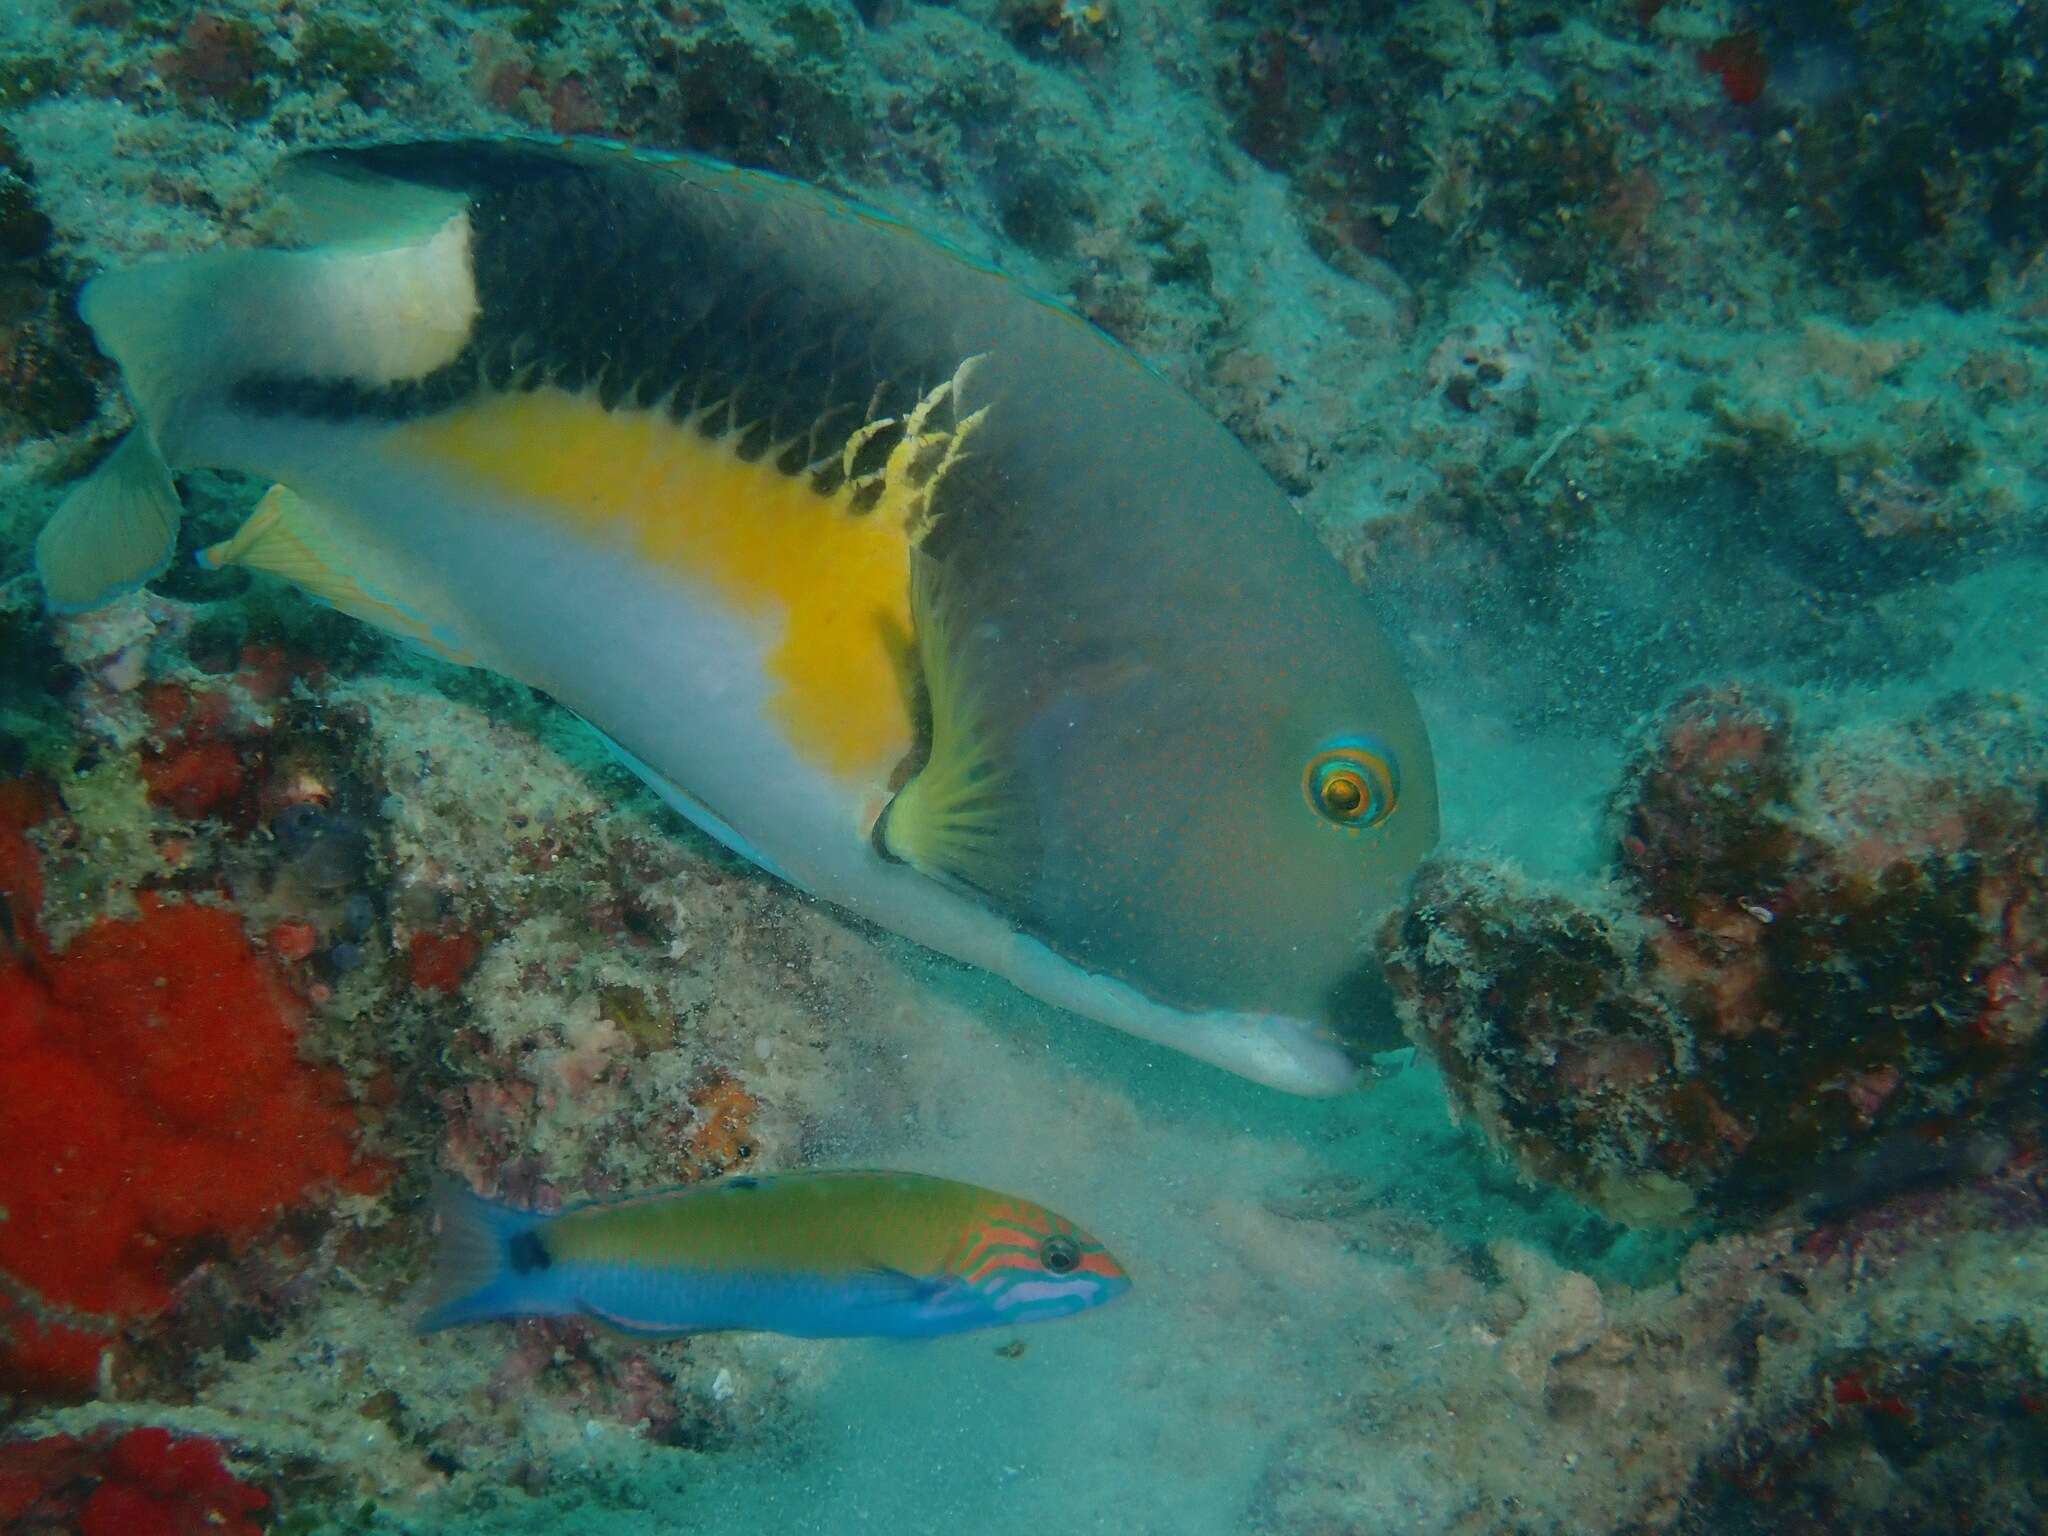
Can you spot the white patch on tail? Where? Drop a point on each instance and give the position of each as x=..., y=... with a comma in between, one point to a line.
x=370, y=312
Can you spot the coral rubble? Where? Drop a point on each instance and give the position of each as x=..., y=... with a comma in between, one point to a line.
x=1820, y=963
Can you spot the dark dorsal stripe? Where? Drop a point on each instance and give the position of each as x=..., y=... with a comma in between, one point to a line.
x=639, y=284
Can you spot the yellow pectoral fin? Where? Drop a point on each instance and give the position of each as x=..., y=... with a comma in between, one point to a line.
x=288, y=537
x=962, y=816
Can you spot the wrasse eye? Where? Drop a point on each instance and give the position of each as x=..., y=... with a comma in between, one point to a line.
x=1060, y=1255
x=1352, y=783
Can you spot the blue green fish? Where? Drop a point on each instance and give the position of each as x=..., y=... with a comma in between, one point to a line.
x=817, y=1255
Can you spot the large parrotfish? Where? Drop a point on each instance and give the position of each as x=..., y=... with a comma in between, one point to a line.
x=888, y=573
x=821, y=1254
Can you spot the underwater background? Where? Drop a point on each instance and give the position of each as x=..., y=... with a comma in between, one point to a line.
x=1669, y=376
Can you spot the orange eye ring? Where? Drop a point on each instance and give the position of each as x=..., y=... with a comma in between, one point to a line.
x=1352, y=784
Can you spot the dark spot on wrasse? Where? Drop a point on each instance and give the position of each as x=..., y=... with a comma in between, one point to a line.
x=743, y=1181
x=527, y=1254
x=1014, y=1350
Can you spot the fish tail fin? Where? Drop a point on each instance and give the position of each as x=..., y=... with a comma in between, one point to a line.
x=960, y=816
x=117, y=528
x=486, y=1254
x=390, y=307
x=387, y=307
x=161, y=323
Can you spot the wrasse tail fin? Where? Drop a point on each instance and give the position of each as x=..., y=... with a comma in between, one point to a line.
x=117, y=528
x=960, y=816
x=289, y=537
x=481, y=1265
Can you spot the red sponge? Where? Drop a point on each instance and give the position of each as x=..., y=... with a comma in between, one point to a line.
x=147, y=1483
x=155, y=1101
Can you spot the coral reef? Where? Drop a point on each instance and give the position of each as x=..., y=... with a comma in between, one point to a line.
x=48, y=365
x=1898, y=144
x=1884, y=1370
x=1953, y=1431
x=1614, y=348
x=1824, y=965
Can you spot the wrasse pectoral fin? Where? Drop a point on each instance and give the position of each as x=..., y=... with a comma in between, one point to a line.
x=288, y=537
x=116, y=529
x=960, y=817
x=896, y=1289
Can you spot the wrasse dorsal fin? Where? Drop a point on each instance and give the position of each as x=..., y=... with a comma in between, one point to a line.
x=116, y=529
x=961, y=817
x=288, y=537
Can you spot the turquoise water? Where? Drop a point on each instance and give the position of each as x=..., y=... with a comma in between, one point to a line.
x=1667, y=377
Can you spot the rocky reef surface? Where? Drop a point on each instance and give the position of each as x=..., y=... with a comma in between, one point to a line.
x=1669, y=374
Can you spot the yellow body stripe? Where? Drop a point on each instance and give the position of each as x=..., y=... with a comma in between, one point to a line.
x=835, y=583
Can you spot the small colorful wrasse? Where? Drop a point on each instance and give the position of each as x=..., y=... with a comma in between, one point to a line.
x=818, y=1255
x=891, y=575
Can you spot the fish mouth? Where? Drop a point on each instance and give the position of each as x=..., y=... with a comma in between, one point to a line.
x=1305, y=1057
x=1294, y=1055
x=1362, y=1012
x=1283, y=1051
x=1048, y=1298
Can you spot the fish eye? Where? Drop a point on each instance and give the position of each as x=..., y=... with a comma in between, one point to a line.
x=1352, y=783
x=1060, y=1255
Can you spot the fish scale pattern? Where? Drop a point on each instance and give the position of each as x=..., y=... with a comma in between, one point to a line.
x=690, y=301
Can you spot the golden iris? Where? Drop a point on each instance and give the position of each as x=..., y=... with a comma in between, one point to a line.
x=1343, y=794
x=1351, y=783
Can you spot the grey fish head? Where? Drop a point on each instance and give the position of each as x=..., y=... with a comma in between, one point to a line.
x=1222, y=822
x=1224, y=780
